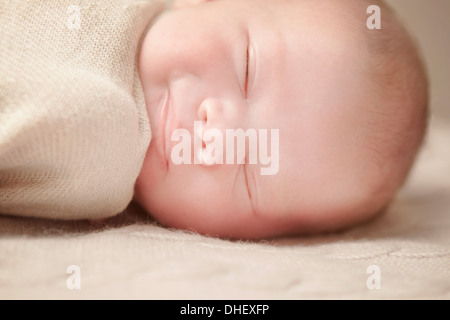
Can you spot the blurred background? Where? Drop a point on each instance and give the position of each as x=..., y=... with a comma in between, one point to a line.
x=429, y=23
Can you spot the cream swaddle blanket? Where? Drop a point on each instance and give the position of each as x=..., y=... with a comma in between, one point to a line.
x=74, y=128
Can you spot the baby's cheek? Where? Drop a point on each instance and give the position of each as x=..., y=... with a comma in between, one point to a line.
x=354, y=208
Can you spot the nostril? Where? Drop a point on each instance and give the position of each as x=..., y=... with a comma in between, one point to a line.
x=198, y=134
x=202, y=114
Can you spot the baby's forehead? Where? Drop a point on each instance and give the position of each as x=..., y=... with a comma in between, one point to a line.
x=337, y=16
x=328, y=22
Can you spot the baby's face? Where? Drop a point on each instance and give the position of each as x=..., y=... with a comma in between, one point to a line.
x=257, y=64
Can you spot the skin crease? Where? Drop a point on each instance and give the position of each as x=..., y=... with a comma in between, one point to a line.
x=304, y=79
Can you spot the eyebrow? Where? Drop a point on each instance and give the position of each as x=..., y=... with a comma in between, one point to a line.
x=237, y=179
x=254, y=188
x=247, y=180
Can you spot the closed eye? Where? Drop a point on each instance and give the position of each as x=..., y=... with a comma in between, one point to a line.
x=246, y=73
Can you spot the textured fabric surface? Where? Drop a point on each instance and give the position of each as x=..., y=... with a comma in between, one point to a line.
x=132, y=257
x=74, y=128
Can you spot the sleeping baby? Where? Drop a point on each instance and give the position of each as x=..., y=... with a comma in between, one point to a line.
x=231, y=118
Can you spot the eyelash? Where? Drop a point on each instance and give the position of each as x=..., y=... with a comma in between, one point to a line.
x=246, y=73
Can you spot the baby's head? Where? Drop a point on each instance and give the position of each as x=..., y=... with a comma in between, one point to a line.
x=344, y=108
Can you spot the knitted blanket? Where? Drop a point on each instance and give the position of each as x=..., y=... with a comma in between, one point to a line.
x=74, y=128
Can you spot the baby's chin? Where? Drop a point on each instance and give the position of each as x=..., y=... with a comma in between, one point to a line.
x=241, y=229
x=238, y=226
x=268, y=229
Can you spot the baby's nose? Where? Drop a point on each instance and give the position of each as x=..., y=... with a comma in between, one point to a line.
x=218, y=114
x=209, y=112
x=214, y=117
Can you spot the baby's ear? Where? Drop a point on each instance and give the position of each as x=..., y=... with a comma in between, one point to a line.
x=179, y=4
